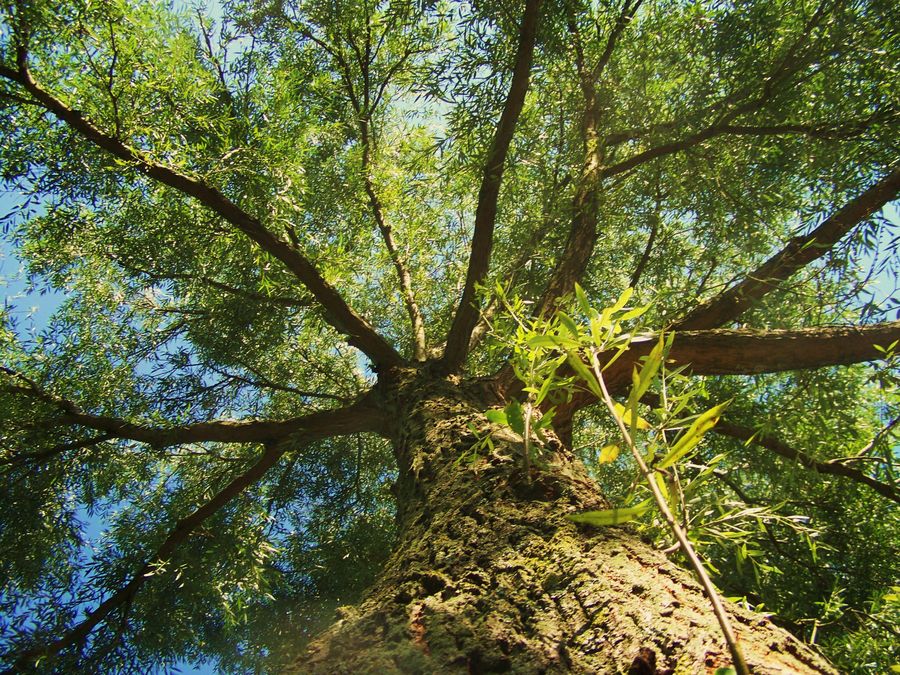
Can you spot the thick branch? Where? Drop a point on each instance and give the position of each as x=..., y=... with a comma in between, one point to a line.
x=799, y=252
x=486, y=211
x=832, y=467
x=583, y=232
x=338, y=313
x=336, y=422
x=747, y=352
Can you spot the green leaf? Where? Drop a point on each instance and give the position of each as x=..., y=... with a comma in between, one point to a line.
x=652, y=363
x=690, y=438
x=728, y=670
x=545, y=421
x=542, y=341
x=497, y=417
x=545, y=388
x=585, y=374
x=516, y=417
x=634, y=313
x=568, y=323
x=626, y=417
x=625, y=297
x=582, y=300
x=611, y=516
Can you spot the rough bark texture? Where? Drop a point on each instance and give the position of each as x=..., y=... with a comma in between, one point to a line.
x=490, y=576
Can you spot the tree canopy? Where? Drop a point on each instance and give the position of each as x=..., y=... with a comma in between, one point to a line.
x=255, y=211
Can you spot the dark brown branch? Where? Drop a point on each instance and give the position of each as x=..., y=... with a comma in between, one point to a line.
x=263, y=382
x=582, y=237
x=833, y=468
x=622, y=21
x=226, y=431
x=356, y=418
x=777, y=77
x=648, y=249
x=799, y=252
x=42, y=455
x=746, y=352
x=338, y=313
x=283, y=301
x=486, y=211
x=827, y=131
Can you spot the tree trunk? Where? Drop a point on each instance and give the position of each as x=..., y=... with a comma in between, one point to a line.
x=489, y=576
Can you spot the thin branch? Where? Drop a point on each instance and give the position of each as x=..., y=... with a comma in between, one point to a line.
x=775, y=78
x=284, y=301
x=178, y=535
x=799, y=252
x=419, y=343
x=227, y=431
x=833, y=468
x=338, y=313
x=827, y=131
x=42, y=455
x=624, y=18
x=263, y=382
x=648, y=249
x=486, y=211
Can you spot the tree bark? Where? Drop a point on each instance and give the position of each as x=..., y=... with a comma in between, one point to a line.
x=489, y=575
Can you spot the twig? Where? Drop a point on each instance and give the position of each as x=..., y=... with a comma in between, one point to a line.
x=737, y=655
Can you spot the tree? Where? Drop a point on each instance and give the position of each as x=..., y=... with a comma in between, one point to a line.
x=293, y=240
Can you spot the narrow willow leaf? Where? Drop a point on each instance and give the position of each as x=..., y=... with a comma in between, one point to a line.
x=497, y=417
x=690, y=438
x=634, y=313
x=621, y=350
x=582, y=300
x=545, y=420
x=652, y=363
x=542, y=341
x=545, y=389
x=516, y=416
x=625, y=297
x=568, y=323
x=608, y=454
x=611, y=516
x=585, y=374
x=598, y=328
x=663, y=488
x=625, y=415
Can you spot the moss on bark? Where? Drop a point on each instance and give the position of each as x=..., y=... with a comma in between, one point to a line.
x=490, y=577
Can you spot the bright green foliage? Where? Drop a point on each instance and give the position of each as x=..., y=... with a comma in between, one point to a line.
x=725, y=130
